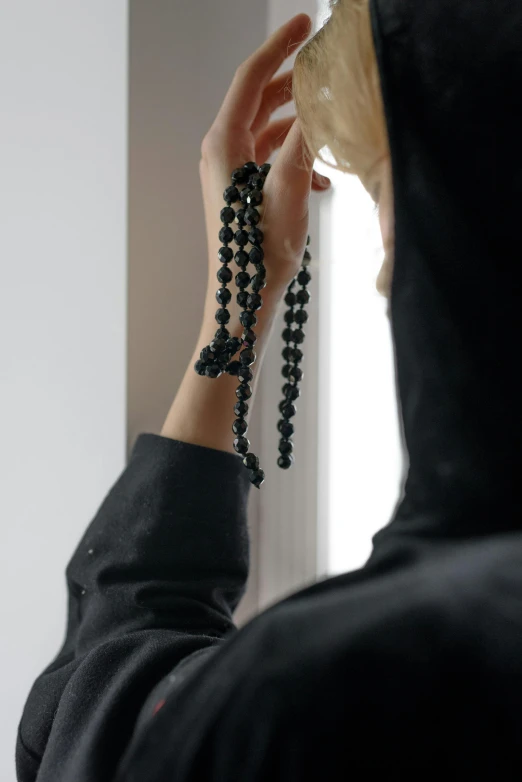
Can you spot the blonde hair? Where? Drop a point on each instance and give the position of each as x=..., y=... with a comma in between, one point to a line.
x=336, y=88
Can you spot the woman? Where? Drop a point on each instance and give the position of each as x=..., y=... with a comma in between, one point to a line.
x=414, y=662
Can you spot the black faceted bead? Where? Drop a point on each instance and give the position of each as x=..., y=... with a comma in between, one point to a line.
x=247, y=357
x=222, y=333
x=241, y=445
x=302, y=297
x=239, y=176
x=252, y=216
x=241, y=238
x=223, y=296
x=242, y=259
x=286, y=370
x=307, y=258
x=244, y=196
x=291, y=392
x=285, y=428
x=240, y=217
x=225, y=254
x=256, y=236
x=254, y=301
x=233, y=345
x=288, y=353
x=242, y=298
x=243, y=392
x=251, y=461
x=222, y=315
x=296, y=373
x=239, y=426
x=222, y=361
x=287, y=409
x=207, y=355
x=261, y=270
x=231, y=194
x=299, y=336
x=287, y=335
x=248, y=319
x=250, y=168
x=244, y=374
x=213, y=371
x=257, y=478
x=289, y=316
x=226, y=234
x=256, y=255
x=199, y=366
x=301, y=317
x=242, y=279
x=224, y=275
x=249, y=338
x=265, y=169
x=218, y=346
x=258, y=283
x=233, y=368
x=290, y=299
x=256, y=181
x=255, y=198
x=304, y=277
x=227, y=214
x=298, y=355
x=285, y=446
x=240, y=408
x=285, y=461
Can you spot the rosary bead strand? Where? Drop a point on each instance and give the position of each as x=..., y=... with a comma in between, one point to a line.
x=217, y=357
x=293, y=355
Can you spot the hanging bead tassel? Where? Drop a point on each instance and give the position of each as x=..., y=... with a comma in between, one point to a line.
x=218, y=357
x=293, y=355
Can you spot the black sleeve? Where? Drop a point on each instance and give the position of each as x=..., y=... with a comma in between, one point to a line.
x=155, y=578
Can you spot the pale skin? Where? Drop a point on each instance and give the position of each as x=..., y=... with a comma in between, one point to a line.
x=202, y=411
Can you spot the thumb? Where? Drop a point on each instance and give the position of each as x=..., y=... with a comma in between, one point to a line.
x=290, y=178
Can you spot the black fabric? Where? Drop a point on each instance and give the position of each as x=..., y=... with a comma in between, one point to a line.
x=154, y=579
x=412, y=664
x=451, y=75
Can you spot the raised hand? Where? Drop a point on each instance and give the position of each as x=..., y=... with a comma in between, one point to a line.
x=244, y=131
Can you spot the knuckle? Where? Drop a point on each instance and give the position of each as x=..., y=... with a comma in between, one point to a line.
x=249, y=69
x=242, y=69
x=207, y=145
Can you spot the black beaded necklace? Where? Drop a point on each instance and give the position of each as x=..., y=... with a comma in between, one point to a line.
x=217, y=357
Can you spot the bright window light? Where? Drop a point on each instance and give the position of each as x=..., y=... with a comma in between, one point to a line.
x=359, y=406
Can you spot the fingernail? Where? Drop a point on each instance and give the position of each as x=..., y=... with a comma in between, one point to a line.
x=324, y=180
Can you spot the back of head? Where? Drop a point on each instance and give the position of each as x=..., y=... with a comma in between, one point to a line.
x=450, y=78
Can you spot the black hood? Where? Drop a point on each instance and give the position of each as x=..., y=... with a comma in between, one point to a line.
x=451, y=76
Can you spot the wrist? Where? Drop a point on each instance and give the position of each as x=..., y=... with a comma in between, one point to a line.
x=272, y=298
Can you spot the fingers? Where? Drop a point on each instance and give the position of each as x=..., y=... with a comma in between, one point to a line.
x=292, y=160
x=295, y=161
x=276, y=94
x=272, y=138
x=244, y=96
x=291, y=176
x=320, y=182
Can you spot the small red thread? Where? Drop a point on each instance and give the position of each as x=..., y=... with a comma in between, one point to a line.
x=158, y=706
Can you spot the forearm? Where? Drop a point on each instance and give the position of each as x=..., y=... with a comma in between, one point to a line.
x=203, y=409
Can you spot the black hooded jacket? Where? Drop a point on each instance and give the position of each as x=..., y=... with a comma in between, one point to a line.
x=412, y=664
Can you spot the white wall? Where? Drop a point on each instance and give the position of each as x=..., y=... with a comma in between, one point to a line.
x=63, y=87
